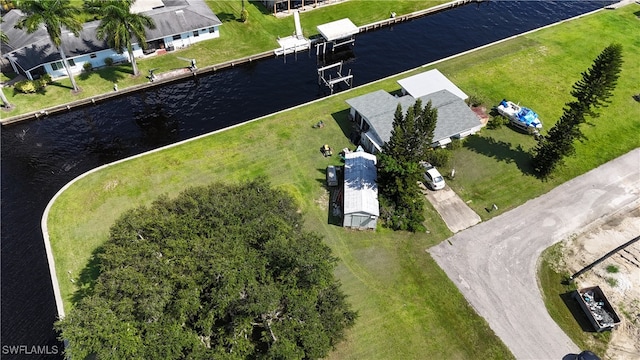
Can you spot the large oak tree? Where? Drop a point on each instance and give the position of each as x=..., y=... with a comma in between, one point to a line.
x=220, y=272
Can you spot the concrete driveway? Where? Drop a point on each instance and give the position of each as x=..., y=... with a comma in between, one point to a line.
x=455, y=212
x=494, y=263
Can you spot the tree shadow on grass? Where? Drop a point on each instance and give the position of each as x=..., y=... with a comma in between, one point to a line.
x=88, y=275
x=576, y=311
x=226, y=17
x=110, y=73
x=501, y=151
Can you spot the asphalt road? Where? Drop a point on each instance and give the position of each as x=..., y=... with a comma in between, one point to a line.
x=494, y=263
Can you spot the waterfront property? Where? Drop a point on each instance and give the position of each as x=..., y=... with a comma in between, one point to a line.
x=179, y=23
x=361, y=208
x=374, y=112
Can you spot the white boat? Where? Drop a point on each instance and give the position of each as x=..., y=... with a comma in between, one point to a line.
x=520, y=116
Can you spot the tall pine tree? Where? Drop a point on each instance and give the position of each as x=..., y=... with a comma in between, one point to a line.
x=399, y=169
x=593, y=91
x=598, y=82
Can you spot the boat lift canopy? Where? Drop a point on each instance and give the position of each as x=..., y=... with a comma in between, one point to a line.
x=337, y=30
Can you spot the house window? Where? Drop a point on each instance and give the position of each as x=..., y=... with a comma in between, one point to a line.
x=196, y=33
x=212, y=30
x=93, y=56
x=176, y=37
x=58, y=64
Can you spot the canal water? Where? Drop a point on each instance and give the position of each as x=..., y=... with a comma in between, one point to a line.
x=40, y=156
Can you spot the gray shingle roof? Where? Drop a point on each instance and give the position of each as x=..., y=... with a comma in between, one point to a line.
x=454, y=116
x=31, y=50
x=179, y=16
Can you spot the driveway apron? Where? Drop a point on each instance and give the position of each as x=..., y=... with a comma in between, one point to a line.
x=455, y=212
x=494, y=263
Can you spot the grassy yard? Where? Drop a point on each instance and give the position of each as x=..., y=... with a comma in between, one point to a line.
x=408, y=307
x=236, y=40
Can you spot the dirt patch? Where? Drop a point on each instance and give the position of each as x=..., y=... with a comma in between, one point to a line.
x=618, y=276
x=323, y=200
x=482, y=114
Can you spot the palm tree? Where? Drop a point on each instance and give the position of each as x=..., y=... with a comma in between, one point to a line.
x=119, y=26
x=53, y=14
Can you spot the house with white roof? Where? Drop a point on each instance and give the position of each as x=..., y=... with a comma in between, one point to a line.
x=360, y=208
x=179, y=23
x=374, y=112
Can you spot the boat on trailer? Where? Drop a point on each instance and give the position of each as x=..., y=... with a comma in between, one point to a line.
x=521, y=117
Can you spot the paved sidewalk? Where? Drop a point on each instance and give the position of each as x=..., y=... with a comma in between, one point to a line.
x=494, y=263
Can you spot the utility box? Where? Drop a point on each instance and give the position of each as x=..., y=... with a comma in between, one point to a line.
x=597, y=307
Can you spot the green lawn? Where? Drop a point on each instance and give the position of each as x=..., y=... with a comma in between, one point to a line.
x=237, y=40
x=408, y=307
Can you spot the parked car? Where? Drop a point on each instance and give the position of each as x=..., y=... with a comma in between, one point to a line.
x=587, y=355
x=432, y=177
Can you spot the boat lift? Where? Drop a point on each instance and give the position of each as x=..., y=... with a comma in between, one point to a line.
x=338, y=33
x=329, y=81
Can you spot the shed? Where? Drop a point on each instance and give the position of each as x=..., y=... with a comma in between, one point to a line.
x=361, y=209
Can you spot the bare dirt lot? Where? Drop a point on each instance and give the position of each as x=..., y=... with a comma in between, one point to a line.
x=618, y=275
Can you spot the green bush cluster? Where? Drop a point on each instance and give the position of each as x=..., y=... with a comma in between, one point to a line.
x=438, y=157
x=244, y=15
x=31, y=86
x=108, y=61
x=497, y=121
x=25, y=86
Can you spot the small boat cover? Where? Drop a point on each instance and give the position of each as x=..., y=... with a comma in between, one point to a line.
x=527, y=116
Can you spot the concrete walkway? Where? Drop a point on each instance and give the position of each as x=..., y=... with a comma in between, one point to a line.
x=455, y=212
x=494, y=263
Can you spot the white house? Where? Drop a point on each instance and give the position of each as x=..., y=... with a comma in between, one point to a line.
x=361, y=209
x=374, y=112
x=179, y=23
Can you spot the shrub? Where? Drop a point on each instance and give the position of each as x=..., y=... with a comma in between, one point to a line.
x=244, y=15
x=46, y=78
x=25, y=86
x=87, y=66
x=612, y=269
x=108, y=61
x=474, y=100
x=40, y=83
x=438, y=157
x=455, y=144
x=496, y=122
